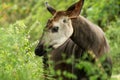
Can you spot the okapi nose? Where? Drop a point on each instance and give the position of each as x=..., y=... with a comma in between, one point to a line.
x=39, y=51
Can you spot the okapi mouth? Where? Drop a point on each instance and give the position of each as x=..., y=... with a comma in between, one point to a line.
x=41, y=50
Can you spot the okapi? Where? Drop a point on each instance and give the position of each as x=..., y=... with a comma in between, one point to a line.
x=68, y=28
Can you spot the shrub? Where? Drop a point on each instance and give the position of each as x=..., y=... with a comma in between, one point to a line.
x=17, y=60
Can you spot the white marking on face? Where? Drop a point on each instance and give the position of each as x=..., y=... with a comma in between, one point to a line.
x=65, y=30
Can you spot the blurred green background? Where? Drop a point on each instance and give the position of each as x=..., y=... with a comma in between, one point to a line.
x=22, y=22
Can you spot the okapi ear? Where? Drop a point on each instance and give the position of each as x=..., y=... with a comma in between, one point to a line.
x=75, y=9
x=50, y=9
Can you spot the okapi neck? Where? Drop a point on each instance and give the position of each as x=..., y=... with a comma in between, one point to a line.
x=88, y=36
x=81, y=34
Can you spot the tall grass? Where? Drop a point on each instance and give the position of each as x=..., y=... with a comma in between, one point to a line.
x=113, y=35
x=17, y=59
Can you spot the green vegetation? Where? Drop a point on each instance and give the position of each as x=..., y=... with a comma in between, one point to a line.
x=21, y=25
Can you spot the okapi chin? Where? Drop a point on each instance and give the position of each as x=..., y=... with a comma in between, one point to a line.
x=67, y=28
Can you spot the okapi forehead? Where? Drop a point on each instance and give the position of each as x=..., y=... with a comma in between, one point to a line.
x=58, y=15
x=55, y=17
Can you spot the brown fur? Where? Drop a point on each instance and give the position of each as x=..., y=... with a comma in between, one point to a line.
x=69, y=49
x=89, y=36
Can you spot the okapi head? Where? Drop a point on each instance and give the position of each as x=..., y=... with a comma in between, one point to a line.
x=59, y=28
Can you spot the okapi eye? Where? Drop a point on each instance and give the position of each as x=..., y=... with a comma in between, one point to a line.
x=64, y=20
x=55, y=29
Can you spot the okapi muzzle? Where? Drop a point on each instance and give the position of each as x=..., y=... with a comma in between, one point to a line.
x=42, y=49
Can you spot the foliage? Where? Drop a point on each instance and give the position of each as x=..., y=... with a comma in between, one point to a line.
x=102, y=12
x=114, y=38
x=17, y=60
x=21, y=25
